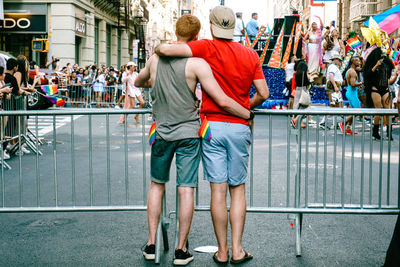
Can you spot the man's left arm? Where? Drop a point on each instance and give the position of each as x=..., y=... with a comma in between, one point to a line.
x=173, y=50
x=262, y=93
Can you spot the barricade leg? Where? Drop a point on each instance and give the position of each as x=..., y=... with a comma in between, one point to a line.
x=161, y=231
x=298, y=220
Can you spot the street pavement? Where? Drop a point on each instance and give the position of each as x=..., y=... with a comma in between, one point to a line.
x=116, y=238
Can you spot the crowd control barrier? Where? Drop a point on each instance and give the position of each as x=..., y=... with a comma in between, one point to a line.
x=13, y=129
x=93, y=164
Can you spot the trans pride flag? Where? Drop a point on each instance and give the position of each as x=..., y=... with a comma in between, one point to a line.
x=389, y=21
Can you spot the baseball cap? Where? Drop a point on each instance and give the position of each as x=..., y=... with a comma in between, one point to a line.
x=223, y=22
x=335, y=55
x=131, y=63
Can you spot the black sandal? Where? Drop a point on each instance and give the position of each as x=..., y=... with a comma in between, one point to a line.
x=215, y=258
x=245, y=258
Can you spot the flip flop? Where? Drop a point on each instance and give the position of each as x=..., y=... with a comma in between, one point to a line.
x=245, y=258
x=215, y=258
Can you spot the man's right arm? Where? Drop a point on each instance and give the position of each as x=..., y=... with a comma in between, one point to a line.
x=212, y=88
x=144, y=75
x=173, y=50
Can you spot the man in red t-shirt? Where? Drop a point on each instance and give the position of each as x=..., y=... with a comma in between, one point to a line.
x=225, y=156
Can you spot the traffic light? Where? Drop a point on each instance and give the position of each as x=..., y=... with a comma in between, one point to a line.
x=40, y=45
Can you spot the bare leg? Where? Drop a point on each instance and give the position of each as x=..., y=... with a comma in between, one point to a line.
x=127, y=105
x=186, y=209
x=219, y=216
x=154, y=201
x=141, y=105
x=386, y=102
x=237, y=216
x=377, y=100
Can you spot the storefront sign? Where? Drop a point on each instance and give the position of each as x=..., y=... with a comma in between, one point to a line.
x=23, y=23
x=80, y=27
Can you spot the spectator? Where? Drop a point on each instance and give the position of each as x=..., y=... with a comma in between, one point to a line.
x=252, y=27
x=238, y=32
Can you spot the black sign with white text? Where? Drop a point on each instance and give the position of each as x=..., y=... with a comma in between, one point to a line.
x=20, y=22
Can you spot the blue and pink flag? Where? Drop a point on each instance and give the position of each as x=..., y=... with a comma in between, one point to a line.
x=389, y=21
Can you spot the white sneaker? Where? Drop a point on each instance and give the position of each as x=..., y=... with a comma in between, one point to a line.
x=117, y=107
x=25, y=150
x=6, y=155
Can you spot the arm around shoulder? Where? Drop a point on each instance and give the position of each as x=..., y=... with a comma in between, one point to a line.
x=173, y=50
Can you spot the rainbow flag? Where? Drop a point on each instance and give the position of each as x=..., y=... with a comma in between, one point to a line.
x=205, y=131
x=389, y=21
x=55, y=100
x=354, y=43
x=49, y=89
x=152, y=134
x=395, y=55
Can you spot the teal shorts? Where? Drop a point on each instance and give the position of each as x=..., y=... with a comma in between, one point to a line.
x=226, y=156
x=187, y=152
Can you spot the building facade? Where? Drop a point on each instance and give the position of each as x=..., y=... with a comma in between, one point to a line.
x=355, y=12
x=78, y=31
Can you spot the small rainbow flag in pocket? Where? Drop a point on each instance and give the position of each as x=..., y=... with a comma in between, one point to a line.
x=152, y=134
x=205, y=130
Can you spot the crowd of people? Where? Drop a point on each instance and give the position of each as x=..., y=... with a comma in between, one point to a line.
x=370, y=81
x=104, y=86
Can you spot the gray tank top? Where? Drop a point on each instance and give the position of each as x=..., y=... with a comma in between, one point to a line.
x=174, y=104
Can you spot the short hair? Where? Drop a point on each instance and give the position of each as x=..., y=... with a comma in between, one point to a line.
x=11, y=63
x=187, y=27
x=1, y=70
x=254, y=14
x=354, y=59
x=239, y=14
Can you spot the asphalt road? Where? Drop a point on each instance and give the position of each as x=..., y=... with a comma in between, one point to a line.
x=115, y=238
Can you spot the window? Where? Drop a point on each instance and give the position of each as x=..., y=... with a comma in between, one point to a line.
x=96, y=41
x=108, y=45
x=119, y=49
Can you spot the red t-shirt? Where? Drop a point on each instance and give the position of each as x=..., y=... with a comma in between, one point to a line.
x=234, y=67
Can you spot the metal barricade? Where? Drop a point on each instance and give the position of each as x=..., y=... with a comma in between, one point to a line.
x=14, y=131
x=77, y=96
x=294, y=171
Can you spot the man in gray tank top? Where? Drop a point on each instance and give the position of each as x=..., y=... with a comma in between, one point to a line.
x=177, y=125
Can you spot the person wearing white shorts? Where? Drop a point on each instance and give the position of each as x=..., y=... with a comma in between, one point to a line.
x=132, y=92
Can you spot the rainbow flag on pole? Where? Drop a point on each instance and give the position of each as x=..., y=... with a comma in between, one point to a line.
x=50, y=89
x=55, y=100
x=389, y=21
x=152, y=134
x=205, y=131
x=354, y=43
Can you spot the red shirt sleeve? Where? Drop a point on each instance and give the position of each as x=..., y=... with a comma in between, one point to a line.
x=199, y=48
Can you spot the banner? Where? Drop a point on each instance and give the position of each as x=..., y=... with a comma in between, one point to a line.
x=346, y=60
x=275, y=60
x=265, y=50
x=261, y=31
x=285, y=58
x=299, y=25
